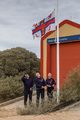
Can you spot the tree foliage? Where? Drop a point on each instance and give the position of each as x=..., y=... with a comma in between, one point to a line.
x=18, y=60
x=14, y=63
x=10, y=87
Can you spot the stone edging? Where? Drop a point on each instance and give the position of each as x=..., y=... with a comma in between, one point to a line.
x=69, y=107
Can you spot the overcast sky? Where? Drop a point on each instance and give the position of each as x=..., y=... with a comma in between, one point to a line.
x=18, y=16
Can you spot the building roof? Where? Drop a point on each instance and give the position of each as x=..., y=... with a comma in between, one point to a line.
x=62, y=23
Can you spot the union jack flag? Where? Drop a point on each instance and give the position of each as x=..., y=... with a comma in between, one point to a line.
x=44, y=26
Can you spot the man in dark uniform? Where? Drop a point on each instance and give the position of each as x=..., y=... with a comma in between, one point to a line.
x=40, y=88
x=50, y=83
x=28, y=85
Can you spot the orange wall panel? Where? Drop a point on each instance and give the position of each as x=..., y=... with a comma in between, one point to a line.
x=53, y=63
x=69, y=58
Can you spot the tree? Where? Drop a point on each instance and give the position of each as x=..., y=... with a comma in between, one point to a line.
x=18, y=60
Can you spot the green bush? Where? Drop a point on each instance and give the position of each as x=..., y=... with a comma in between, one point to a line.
x=10, y=88
x=14, y=63
x=18, y=60
x=70, y=90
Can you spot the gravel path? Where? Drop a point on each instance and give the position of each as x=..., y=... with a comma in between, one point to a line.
x=9, y=113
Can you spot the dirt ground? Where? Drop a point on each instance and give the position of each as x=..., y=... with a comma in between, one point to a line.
x=67, y=115
x=9, y=112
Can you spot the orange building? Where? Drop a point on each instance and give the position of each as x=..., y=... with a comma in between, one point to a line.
x=69, y=37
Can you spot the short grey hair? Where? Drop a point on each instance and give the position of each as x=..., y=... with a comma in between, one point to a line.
x=37, y=73
x=49, y=74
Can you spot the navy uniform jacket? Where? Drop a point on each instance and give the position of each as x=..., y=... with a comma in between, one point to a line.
x=28, y=83
x=50, y=82
x=39, y=83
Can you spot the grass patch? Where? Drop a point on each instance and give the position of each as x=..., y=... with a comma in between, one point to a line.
x=31, y=110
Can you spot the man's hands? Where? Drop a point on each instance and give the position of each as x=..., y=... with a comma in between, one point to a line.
x=30, y=89
x=42, y=87
x=25, y=75
x=47, y=86
x=50, y=85
x=53, y=85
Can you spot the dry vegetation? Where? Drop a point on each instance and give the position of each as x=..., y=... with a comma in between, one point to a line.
x=70, y=90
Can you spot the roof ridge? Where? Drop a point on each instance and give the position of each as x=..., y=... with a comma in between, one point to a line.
x=60, y=24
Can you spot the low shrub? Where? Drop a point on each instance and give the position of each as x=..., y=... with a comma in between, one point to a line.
x=70, y=90
x=10, y=88
x=30, y=110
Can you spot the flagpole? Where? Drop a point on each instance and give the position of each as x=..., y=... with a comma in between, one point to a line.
x=57, y=51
